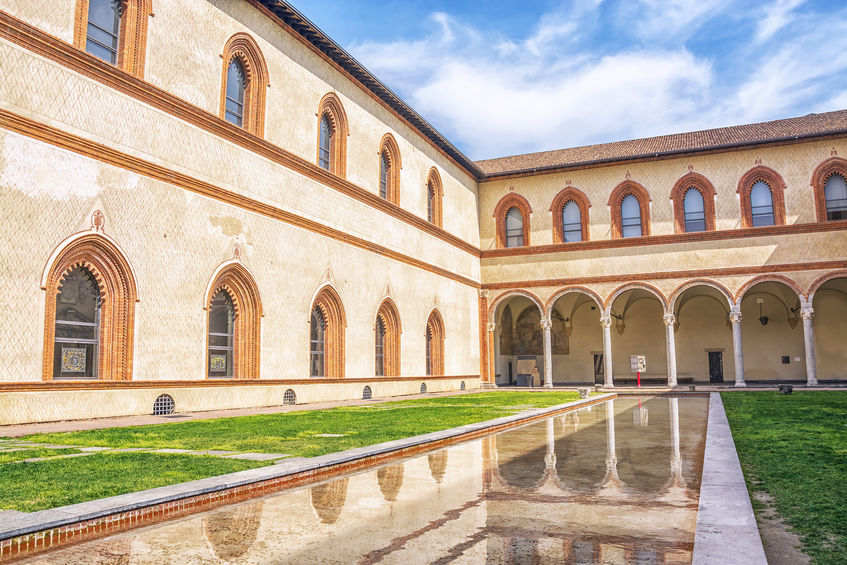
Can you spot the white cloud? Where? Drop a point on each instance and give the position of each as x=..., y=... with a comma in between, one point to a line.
x=577, y=80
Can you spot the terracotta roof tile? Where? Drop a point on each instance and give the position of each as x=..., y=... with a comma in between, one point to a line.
x=805, y=126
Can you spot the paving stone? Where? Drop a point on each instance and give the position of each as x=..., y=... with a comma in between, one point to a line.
x=171, y=450
x=35, y=459
x=216, y=452
x=258, y=456
x=94, y=449
x=129, y=449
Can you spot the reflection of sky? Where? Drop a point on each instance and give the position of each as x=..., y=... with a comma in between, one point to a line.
x=514, y=77
x=548, y=490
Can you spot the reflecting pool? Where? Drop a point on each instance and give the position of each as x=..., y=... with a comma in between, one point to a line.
x=617, y=482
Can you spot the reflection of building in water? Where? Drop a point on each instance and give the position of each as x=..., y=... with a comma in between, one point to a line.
x=390, y=480
x=437, y=465
x=232, y=531
x=328, y=500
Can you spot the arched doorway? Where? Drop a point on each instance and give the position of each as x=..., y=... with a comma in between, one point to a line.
x=637, y=328
x=576, y=338
x=704, y=351
x=518, y=342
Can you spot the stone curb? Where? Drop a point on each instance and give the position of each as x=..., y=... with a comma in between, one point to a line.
x=726, y=526
x=19, y=524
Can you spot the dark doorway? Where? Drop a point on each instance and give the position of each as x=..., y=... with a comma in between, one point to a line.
x=511, y=378
x=598, y=368
x=715, y=366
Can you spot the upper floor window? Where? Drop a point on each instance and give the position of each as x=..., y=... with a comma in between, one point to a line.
x=77, y=329
x=695, y=211
x=630, y=210
x=761, y=204
x=221, y=334
x=514, y=228
x=434, y=195
x=570, y=216
x=244, y=84
x=104, y=25
x=762, y=198
x=114, y=31
x=236, y=82
x=512, y=221
x=332, y=135
x=835, y=193
x=389, y=169
x=630, y=216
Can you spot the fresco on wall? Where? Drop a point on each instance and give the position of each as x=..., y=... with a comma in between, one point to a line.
x=506, y=347
x=526, y=336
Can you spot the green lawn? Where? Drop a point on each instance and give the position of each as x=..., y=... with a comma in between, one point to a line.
x=296, y=433
x=47, y=484
x=794, y=447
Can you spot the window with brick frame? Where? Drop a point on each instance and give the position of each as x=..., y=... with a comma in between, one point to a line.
x=387, y=332
x=389, y=169
x=629, y=205
x=761, y=192
x=690, y=212
x=512, y=230
x=327, y=326
x=434, y=197
x=332, y=135
x=114, y=31
x=829, y=183
x=244, y=76
x=570, y=216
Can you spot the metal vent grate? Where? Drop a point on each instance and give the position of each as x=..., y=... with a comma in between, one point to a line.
x=366, y=393
x=163, y=405
x=462, y=386
x=423, y=388
x=289, y=398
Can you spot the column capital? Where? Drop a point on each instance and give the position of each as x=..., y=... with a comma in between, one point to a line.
x=605, y=320
x=807, y=312
x=491, y=326
x=669, y=318
x=483, y=293
x=546, y=323
x=735, y=315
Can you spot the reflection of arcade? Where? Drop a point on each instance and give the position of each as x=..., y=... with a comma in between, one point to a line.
x=230, y=532
x=570, y=499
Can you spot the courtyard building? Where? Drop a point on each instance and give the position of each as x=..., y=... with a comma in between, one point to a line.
x=211, y=204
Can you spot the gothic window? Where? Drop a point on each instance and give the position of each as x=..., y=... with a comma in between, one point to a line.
x=235, y=86
x=835, y=193
x=571, y=222
x=114, y=31
x=244, y=84
x=630, y=216
x=695, y=211
x=630, y=210
x=762, y=198
x=379, y=366
x=325, y=144
x=104, y=26
x=332, y=135
x=317, y=340
x=77, y=327
x=514, y=228
x=221, y=334
x=761, y=204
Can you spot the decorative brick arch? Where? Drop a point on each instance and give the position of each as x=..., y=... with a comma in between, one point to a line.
x=569, y=194
x=233, y=278
x=824, y=279
x=329, y=303
x=707, y=191
x=132, y=34
x=777, y=186
x=435, y=195
x=610, y=300
x=388, y=315
x=620, y=192
x=562, y=292
x=330, y=107
x=681, y=289
x=389, y=148
x=832, y=166
x=790, y=283
x=435, y=343
x=512, y=200
x=108, y=265
x=245, y=48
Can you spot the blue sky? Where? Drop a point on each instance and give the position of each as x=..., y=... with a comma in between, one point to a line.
x=516, y=77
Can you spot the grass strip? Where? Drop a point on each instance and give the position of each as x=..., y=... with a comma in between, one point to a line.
x=296, y=433
x=794, y=447
x=47, y=484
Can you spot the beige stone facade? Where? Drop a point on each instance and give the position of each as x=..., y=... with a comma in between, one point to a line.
x=145, y=164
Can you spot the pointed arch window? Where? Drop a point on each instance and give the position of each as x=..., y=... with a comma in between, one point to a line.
x=761, y=191
x=236, y=82
x=630, y=210
x=384, y=174
x=332, y=135
x=694, y=210
x=514, y=228
x=835, y=194
x=221, y=336
x=317, y=341
x=326, y=331
x=434, y=196
x=387, y=340
x=244, y=84
x=434, y=344
x=89, y=311
x=571, y=222
x=389, y=169
x=77, y=328
x=114, y=31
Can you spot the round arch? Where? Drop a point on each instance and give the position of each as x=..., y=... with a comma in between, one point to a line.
x=823, y=279
x=548, y=307
x=492, y=309
x=790, y=283
x=610, y=300
x=680, y=290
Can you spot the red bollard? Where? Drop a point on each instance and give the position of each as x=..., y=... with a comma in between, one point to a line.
x=639, y=379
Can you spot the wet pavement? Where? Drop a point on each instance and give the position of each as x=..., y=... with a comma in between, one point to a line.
x=617, y=482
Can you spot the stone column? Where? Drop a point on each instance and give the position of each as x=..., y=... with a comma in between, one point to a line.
x=676, y=458
x=738, y=352
x=547, y=325
x=806, y=312
x=670, y=339
x=606, y=322
x=483, y=338
x=550, y=456
x=491, y=381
